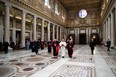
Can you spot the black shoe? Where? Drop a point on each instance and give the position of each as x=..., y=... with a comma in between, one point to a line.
x=62, y=56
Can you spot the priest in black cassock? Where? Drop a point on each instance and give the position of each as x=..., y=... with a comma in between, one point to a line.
x=42, y=44
x=34, y=47
x=49, y=46
x=55, y=47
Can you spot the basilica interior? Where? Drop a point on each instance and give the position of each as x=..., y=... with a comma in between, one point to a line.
x=49, y=20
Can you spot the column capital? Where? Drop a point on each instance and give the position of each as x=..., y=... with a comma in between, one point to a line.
x=58, y=26
x=6, y=4
x=53, y=24
x=49, y=22
x=35, y=16
x=24, y=12
x=43, y=19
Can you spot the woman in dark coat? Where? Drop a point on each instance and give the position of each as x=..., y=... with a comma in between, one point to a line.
x=92, y=45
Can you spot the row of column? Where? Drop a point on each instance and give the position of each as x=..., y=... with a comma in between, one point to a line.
x=88, y=32
x=109, y=29
x=7, y=28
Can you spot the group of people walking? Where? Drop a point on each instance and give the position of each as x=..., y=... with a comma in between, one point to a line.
x=35, y=45
x=62, y=46
x=56, y=46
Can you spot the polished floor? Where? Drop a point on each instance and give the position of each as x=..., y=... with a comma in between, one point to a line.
x=24, y=63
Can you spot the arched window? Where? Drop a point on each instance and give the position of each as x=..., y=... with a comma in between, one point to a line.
x=47, y=3
x=56, y=8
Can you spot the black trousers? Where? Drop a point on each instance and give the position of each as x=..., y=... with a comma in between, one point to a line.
x=108, y=48
x=92, y=49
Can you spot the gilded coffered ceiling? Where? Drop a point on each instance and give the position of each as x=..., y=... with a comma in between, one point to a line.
x=74, y=6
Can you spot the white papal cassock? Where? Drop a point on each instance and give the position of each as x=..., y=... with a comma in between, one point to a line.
x=63, y=48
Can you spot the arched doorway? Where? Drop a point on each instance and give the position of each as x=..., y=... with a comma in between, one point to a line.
x=82, y=38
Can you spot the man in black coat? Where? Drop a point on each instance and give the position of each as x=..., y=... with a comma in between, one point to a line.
x=92, y=45
x=5, y=47
x=0, y=46
x=70, y=46
x=108, y=44
x=34, y=47
x=49, y=46
x=12, y=45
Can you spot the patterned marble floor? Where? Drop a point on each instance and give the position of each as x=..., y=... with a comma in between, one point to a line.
x=74, y=71
x=81, y=58
x=114, y=70
x=25, y=66
x=83, y=64
x=110, y=58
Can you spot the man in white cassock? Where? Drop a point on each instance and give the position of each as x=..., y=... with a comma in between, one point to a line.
x=63, y=47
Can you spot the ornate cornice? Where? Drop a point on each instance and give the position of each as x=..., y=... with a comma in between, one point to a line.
x=106, y=11
x=26, y=6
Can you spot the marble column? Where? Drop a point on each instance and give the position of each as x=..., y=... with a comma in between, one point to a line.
x=48, y=31
x=7, y=23
x=14, y=31
x=115, y=26
x=78, y=35
x=75, y=35
x=23, y=29
x=112, y=30
x=31, y=36
x=104, y=32
x=106, y=29
x=53, y=32
x=34, y=28
x=1, y=29
x=60, y=33
x=108, y=37
x=98, y=30
x=57, y=33
x=87, y=35
x=68, y=31
x=42, y=30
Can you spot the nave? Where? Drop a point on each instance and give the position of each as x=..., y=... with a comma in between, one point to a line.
x=24, y=63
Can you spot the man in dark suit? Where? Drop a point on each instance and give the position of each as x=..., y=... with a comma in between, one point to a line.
x=5, y=47
x=0, y=46
x=108, y=44
x=92, y=45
